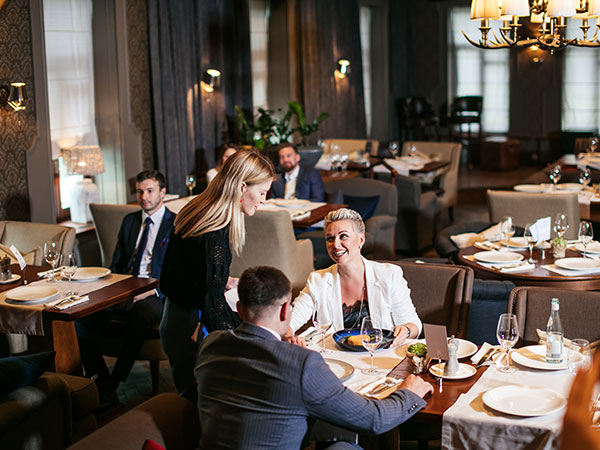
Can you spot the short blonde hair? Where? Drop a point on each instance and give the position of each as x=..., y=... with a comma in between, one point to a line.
x=346, y=214
x=219, y=205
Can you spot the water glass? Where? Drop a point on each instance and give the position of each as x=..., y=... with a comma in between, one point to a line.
x=69, y=267
x=394, y=147
x=578, y=355
x=371, y=337
x=555, y=175
x=561, y=224
x=585, y=177
x=412, y=150
x=190, y=182
x=507, y=333
x=530, y=240
x=322, y=323
x=593, y=144
x=51, y=256
x=585, y=235
x=508, y=229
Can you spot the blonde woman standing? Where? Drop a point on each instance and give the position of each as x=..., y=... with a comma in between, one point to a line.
x=195, y=272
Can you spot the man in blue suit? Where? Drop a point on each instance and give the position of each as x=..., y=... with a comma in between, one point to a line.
x=141, y=247
x=255, y=391
x=296, y=181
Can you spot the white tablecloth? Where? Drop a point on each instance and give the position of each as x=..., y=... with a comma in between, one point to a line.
x=469, y=424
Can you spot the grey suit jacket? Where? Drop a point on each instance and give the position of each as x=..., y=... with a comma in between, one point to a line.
x=255, y=391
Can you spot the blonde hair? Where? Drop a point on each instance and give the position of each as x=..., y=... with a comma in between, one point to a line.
x=346, y=214
x=220, y=203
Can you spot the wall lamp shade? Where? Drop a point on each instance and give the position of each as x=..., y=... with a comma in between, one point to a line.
x=485, y=9
x=83, y=160
x=343, y=68
x=211, y=80
x=13, y=95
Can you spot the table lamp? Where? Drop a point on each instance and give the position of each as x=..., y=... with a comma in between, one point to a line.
x=83, y=160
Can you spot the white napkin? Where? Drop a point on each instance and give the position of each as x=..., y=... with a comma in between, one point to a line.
x=569, y=273
x=486, y=245
x=520, y=268
x=481, y=352
x=54, y=304
x=232, y=297
x=365, y=391
x=467, y=239
x=48, y=272
x=540, y=230
x=299, y=215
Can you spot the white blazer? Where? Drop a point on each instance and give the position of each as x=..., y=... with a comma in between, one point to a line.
x=387, y=291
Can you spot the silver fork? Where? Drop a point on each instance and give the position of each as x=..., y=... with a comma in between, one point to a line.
x=382, y=387
x=66, y=300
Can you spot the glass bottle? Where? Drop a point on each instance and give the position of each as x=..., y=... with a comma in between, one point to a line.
x=554, y=335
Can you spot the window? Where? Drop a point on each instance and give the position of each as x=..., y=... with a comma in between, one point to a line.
x=473, y=71
x=365, y=43
x=258, y=47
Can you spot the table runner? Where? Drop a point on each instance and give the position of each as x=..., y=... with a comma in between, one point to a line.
x=27, y=319
x=470, y=424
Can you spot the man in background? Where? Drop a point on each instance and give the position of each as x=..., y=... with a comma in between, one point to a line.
x=296, y=181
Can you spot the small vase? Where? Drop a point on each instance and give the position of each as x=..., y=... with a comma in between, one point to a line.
x=558, y=250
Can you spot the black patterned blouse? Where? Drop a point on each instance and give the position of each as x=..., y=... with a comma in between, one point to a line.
x=194, y=275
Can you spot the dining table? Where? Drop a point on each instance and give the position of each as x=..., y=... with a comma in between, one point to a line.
x=55, y=329
x=543, y=273
x=304, y=213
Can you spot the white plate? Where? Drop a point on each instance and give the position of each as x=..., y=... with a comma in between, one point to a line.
x=293, y=203
x=534, y=357
x=517, y=242
x=12, y=279
x=577, y=263
x=90, y=273
x=569, y=187
x=530, y=187
x=36, y=293
x=465, y=348
x=592, y=247
x=496, y=257
x=526, y=401
x=464, y=371
x=341, y=369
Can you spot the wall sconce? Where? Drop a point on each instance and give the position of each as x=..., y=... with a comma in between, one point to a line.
x=14, y=96
x=535, y=59
x=211, y=79
x=343, y=69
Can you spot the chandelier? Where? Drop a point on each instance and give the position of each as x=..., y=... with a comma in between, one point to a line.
x=551, y=16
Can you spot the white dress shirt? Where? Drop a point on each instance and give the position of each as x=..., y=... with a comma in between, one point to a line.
x=146, y=263
x=290, y=183
x=387, y=291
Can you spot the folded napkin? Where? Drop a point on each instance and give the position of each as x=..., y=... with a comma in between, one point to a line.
x=45, y=273
x=378, y=389
x=58, y=306
x=465, y=240
x=486, y=245
x=569, y=273
x=299, y=215
x=485, y=347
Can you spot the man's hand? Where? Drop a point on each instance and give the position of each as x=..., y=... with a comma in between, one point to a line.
x=143, y=295
x=290, y=337
x=416, y=385
x=232, y=283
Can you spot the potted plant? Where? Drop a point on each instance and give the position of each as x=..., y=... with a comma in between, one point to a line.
x=559, y=247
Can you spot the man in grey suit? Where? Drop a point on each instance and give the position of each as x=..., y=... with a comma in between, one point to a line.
x=255, y=391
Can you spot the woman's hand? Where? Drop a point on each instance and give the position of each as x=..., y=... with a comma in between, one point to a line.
x=401, y=334
x=290, y=337
x=232, y=283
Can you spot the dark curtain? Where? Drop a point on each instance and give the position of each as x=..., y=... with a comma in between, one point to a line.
x=328, y=30
x=186, y=38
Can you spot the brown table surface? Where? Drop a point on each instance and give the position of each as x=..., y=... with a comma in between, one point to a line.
x=58, y=325
x=316, y=215
x=536, y=277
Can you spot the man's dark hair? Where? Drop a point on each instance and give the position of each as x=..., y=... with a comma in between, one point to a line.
x=262, y=286
x=286, y=145
x=151, y=175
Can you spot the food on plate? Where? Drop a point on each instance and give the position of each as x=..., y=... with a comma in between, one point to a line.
x=355, y=340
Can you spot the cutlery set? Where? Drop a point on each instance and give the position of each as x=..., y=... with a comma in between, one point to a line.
x=509, y=266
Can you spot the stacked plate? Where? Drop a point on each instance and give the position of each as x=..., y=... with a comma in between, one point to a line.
x=497, y=257
x=525, y=401
x=32, y=294
x=531, y=187
x=575, y=187
x=578, y=264
x=593, y=248
x=534, y=357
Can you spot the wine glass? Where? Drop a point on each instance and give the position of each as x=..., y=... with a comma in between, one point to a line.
x=508, y=229
x=593, y=144
x=507, y=333
x=555, y=175
x=371, y=337
x=68, y=269
x=412, y=150
x=322, y=323
x=394, y=147
x=585, y=177
x=578, y=355
x=585, y=235
x=561, y=224
x=190, y=182
x=530, y=240
x=51, y=255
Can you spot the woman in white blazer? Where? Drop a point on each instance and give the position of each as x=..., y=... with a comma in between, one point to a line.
x=355, y=287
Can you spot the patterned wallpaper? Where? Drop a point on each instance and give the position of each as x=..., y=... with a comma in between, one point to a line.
x=17, y=129
x=139, y=76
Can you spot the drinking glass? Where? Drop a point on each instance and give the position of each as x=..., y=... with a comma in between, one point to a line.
x=371, y=338
x=585, y=177
x=51, y=255
x=322, y=323
x=593, y=144
x=508, y=229
x=585, y=235
x=577, y=349
x=190, y=182
x=561, y=224
x=412, y=150
x=344, y=159
x=69, y=267
x=555, y=175
x=394, y=147
x=507, y=333
x=530, y=239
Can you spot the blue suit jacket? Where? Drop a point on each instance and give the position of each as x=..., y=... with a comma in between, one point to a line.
x=125, y=250
x=255, y=391
x=309, y=186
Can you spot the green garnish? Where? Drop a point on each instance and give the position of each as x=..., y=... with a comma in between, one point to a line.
x=418, y=349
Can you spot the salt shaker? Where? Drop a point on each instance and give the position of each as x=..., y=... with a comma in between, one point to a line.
x=451, y=366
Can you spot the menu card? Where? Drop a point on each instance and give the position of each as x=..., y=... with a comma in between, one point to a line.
x=436, y=341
